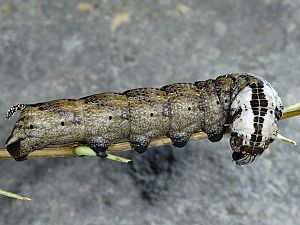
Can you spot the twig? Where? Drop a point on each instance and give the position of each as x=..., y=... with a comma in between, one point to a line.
x=68, y=151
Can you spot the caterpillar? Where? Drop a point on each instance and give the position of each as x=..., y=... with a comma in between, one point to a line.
x=245, y=103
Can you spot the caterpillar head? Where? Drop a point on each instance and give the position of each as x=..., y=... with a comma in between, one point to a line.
x=40, y=125
x=255, y=113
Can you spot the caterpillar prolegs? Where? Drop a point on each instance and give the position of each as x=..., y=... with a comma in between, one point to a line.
x=245, y=103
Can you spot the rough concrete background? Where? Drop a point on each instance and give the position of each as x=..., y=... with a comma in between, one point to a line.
x=64, y=49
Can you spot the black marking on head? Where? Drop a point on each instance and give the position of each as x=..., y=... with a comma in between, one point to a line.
x=254, y=96
x=237, y=113
x=255, y=111
x=259, y=105
x=242, y=159
x=264, y=103
x=258, y=119
x=253, y=150
x=254, y=103
x=259, y=139
x=14, y=109
x=237, y=156
x=253, y=138
x=278, y=113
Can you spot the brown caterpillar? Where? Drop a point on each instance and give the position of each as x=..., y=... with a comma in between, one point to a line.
x=246, y=103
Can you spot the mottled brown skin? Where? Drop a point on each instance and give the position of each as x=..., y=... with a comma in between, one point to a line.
x=138, y=115
x=186, y=115
x=211, y=105
x=148, y=118
x=105, y=119
x=56, y=122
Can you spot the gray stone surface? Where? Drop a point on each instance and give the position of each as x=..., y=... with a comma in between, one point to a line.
x=60, y=49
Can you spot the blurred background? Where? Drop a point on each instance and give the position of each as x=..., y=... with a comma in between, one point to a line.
x=69, y=49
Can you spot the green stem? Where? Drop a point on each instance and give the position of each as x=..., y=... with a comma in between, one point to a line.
x=87, y=151
x=13, y=195
x=292, y=108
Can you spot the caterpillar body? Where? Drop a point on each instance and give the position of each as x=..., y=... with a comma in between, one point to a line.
x=245, y=103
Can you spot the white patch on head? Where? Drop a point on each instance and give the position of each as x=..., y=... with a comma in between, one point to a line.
x=244, y=124
x=270, y=128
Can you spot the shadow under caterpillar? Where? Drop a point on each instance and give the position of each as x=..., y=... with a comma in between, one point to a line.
x=245, y=103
